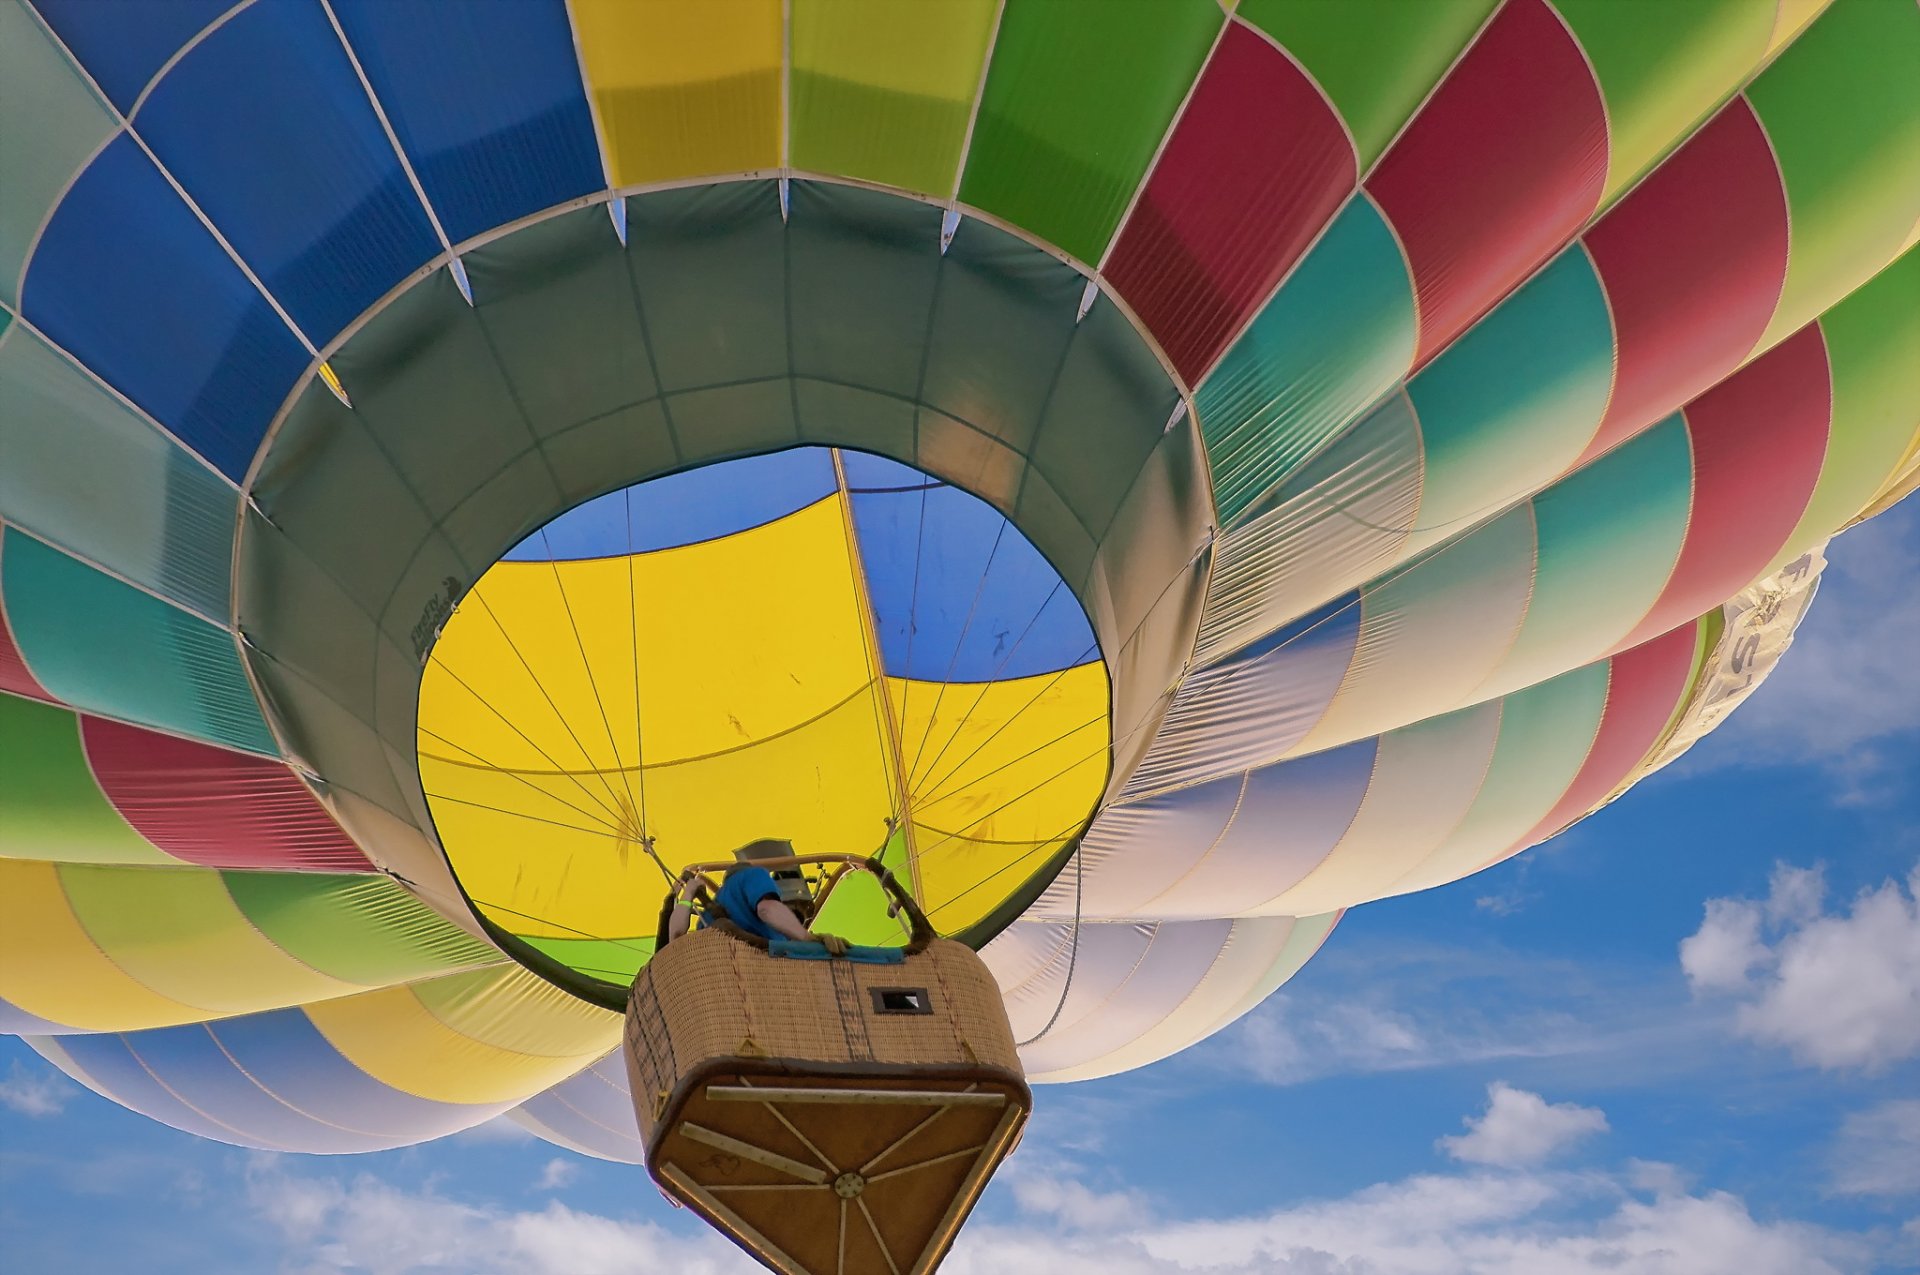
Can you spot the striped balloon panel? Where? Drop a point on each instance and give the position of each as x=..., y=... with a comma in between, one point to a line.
x=100, y=644
x=93, y=475
x=84, y=789
x=591, y=1113
x=884, y=92
x=101, y=948
x=683, y=90
x=1138, y=991
x=366, y=1072
x=1414, y=807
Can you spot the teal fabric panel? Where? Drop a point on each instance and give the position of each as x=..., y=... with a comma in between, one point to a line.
x=1512, y=403
x=1609, y=536
x=50, y=123
x=99, y=644
x=88, y=473
x=1338, y=335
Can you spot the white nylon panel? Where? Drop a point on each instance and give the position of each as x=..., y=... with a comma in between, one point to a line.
x=1140, y=992
x=1433, y=632
x=1330, y=528
x=1424, y=781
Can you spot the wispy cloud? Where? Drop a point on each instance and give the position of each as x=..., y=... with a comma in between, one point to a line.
x=557, y=1173
x=34, y=1093
x=1838, y=989
x=1521, y=1128
x=1878, y=1151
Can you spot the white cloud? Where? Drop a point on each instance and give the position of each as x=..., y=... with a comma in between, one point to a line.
x=1837, y=989
x=1878, y=1151
x=1476, y=1223
x=1521, y=1128
x=362, y=1225
x=557, y=1173
x=34, y=1093
x=1284, y=1041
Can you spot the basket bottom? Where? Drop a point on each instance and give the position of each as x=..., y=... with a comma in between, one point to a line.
x=836, y=1174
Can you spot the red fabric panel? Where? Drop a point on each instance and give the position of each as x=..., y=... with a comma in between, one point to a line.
x=1257, y=165
x=212, y=807
x=1692, y=262
x=1501, y=167
x=14, y=676
x=1759, y=441
x=1643, y=688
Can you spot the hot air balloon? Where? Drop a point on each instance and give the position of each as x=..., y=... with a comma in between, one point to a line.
x=1152, y=475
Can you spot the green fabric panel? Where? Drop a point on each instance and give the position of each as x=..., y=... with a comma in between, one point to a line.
x=1338, y=335
x=1873, y=352
x=1513, y=402
x=89, y=473
x=1660, y=74
x=1609, y=537
x=883, y=90
x=99, y=644
x=857, y=908
x=1546, y=732
x=1079, y=94
x=1377, y=59
x=50, y=124
x=1841, y=109
x=50, y=806
x=357, y=928
x=614, y=960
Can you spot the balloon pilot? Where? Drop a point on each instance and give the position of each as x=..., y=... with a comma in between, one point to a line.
x=766, y=904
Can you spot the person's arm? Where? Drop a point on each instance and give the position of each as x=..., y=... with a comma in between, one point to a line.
x=779, y=918
x=682, y=916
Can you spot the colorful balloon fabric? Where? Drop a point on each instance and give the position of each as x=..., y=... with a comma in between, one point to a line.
x=1158, y=474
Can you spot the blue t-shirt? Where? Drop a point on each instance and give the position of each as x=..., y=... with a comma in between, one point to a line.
x=740, y=897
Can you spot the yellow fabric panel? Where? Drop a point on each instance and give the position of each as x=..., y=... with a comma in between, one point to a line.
x=490, y=1036
x=51, y=967
x=824, y=786
x=178, y=931
x=1790, y=18
x=1693, y=78
x=776, y=641
x=996, y=770
x=684, y=90
x=922, y=49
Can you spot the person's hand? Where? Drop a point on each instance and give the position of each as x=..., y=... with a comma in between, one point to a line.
x=835, y=945
x=689, y=890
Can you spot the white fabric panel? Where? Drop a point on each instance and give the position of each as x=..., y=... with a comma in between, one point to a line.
x=1139, y=991
x=1433, y=632
x=1339, y=522
x=1424, y=780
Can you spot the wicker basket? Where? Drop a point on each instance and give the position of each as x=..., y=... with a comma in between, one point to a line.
x=829, y=1116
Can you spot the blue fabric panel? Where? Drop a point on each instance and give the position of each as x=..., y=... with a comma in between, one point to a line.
x=959, y=595
x=1336, y=623
x=15, y=1021
x=593, y=1110
x=267, y=127
x=290, y=1056
x=1300, y=808
x=110, y=1064
x=189, y=1062
x=685, y=508
x=122, y=45
x=127, y=280
x=485, y=96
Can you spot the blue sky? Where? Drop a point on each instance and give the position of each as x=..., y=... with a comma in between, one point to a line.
x=1683, y=1038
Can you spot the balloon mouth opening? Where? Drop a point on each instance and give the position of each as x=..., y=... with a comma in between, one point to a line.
x=816, y=644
